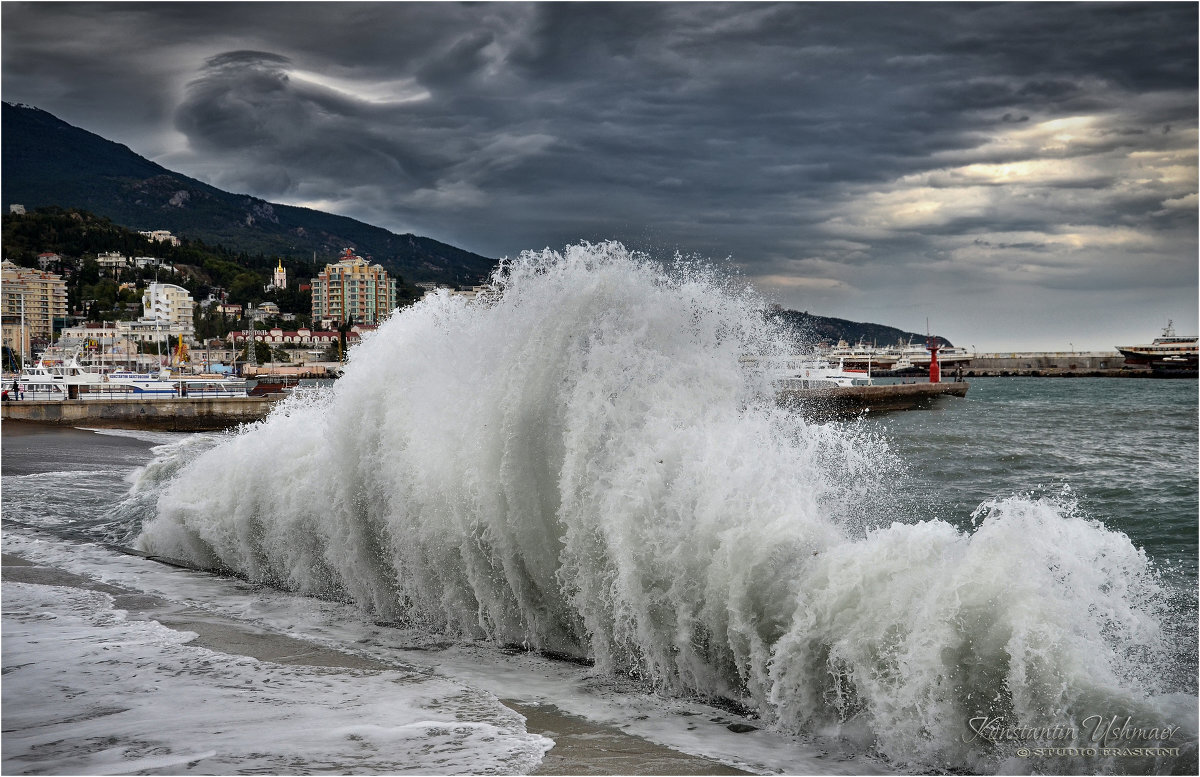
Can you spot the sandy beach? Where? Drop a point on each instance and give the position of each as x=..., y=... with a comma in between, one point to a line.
x=580, y=747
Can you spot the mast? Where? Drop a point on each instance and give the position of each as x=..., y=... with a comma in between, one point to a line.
x=251, y=347
x=22, y=329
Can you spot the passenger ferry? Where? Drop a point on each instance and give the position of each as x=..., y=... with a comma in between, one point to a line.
x=1169, y=350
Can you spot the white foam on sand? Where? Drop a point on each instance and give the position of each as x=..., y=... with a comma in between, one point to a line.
x=89, y=691
x=680, y=723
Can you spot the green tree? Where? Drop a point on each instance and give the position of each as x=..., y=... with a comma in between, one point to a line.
x=246, y=287
x=262, y=352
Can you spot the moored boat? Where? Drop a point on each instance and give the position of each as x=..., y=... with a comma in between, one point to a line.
x=53, y=380
x=1169, y=351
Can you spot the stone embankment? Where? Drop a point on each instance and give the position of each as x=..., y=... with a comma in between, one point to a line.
x=169, y=415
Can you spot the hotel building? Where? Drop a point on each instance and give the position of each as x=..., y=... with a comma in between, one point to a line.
x=353, y=289
x=45, y=300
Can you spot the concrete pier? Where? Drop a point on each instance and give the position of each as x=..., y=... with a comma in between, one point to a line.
x=853, y=400
x=1051, y=364
x=169, y=415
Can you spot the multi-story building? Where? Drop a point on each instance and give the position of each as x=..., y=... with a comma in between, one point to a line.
x=113, y=261
x=47, y=260
x=161, y=236
x=16, y=337
x=353, y=290
x=39, y=297
x=168, y=304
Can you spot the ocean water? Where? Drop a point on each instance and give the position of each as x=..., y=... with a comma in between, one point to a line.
x=585, y=469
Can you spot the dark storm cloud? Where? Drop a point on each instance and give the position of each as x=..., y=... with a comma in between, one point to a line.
x=830, y=149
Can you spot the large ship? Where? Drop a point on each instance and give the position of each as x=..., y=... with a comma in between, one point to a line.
x=903, y=358
x=1168, y=351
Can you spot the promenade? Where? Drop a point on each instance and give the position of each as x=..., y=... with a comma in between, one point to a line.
x=168, y=415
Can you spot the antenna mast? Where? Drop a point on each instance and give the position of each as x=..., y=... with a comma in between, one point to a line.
x=251, y=346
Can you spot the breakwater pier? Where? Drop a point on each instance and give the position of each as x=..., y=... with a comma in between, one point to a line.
x=848, y=401
x=1060, y=364
x=168, y=415
x=1049, y=364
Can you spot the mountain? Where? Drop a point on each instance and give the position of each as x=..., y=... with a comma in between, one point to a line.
x=49, y=162
x=818, y=329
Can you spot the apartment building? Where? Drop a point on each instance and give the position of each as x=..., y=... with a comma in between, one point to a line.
x=354, y=290
x=169, y=304
x=38, y=296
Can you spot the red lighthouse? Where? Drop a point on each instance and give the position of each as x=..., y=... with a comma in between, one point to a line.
x=935, y=369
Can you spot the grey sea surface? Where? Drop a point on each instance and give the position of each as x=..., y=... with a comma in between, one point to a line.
x=1125, y=449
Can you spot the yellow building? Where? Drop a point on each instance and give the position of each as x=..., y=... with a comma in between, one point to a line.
x=44, y=295
x=353, y=289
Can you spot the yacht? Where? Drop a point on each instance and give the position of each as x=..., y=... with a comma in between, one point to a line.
x=807, y=373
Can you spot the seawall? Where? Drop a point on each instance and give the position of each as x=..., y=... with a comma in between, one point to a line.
x=1049, y=363
x=170, y=415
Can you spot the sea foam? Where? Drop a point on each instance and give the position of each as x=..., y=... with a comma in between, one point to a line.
x=582, y=463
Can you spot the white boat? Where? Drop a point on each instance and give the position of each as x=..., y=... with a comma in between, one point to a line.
x=861, y=356
x=56, y=379
x=36, y=383
x=140, y=385
x=807, y=373
x=1169, y=350
x=818, y=375
x=51, y=380
x=907, y=356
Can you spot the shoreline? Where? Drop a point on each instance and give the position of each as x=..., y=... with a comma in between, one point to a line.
x=580, y=746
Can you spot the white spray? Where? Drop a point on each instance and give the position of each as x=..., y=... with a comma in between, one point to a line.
x=583, y=464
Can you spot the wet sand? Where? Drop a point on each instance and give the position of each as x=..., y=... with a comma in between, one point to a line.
x=27, y=448
x=581, y=748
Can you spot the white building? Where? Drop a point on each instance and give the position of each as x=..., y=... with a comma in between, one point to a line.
x=265, y=310
x=166, y=303
x=482, y=293
x=161, y=236
x=47, y=260
x=112, y=261
x=278, y=278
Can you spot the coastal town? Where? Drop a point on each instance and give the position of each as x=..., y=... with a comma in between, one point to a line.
x=156, y=340
x=158, y=326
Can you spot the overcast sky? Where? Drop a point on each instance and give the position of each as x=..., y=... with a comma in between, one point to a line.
x=1024, y=176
